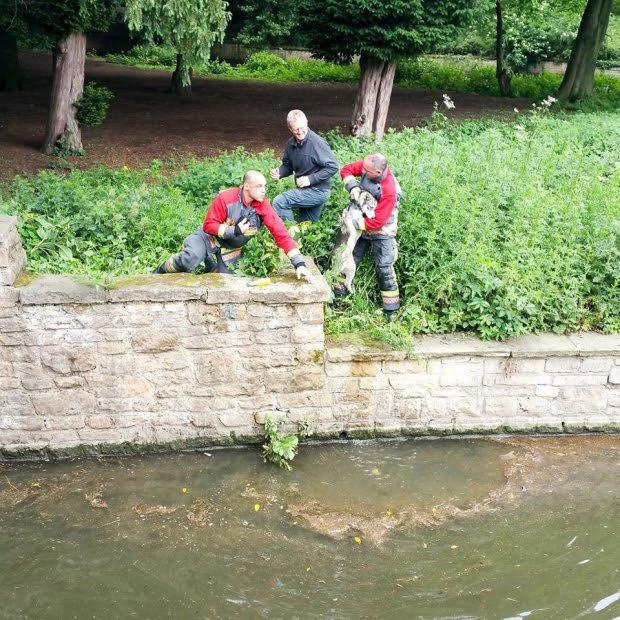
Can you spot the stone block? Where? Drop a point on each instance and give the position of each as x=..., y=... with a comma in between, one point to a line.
x=405, y=366
x=47, y=290
x=592, y=343
x=235, y=419
x=580, y=379
x=563, y=364
x=614, y=375
x=350, y=385
x=164, y=287
x=416, y=380
x=64, y=423
x=294, y=380
x=460, y=375
x=63, y=403
x=310, y=313
x=585, y=393
x=65, y=360
x=500, y=406
x=352, y=369
x=37, y=383
x=154, y=341
x=307, y=334
x=408, y=408
x=547, y=391
x=535, y=405
x=100, y=421
x=601, y=365
x=526, y=378
x=541, y=345
x=274, y=336
x=203, y=420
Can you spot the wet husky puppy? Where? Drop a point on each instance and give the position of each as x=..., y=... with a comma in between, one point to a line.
x=343, y=253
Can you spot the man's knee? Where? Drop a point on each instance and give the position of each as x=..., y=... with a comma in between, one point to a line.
x=279, y=203
x=187, y=261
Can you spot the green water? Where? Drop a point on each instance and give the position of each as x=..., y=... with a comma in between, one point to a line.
x=510, y=528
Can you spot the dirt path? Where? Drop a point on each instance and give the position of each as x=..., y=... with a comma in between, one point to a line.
x=144, y=122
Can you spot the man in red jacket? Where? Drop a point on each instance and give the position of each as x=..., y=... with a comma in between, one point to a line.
x=378, y=232
x=232, y=220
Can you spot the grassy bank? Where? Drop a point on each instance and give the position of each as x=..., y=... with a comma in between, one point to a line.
x=458, y=74
x=505, y=228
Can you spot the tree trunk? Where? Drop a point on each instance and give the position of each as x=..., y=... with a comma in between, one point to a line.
x=384, y=94
x=364, y=111
x=67, y=88
x=578, y=79
x=502, y=74
x=11, y=76
x=181, y=83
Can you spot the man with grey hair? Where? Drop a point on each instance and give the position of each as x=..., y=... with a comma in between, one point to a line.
x=307, y=156
x=233, y=218
x=378, y=232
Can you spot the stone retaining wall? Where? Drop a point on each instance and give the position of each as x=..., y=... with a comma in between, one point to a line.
x=196, y=360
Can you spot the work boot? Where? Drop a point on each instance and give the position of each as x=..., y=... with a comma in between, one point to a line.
x=339, y=291
x=161, y=269
x=390, y=315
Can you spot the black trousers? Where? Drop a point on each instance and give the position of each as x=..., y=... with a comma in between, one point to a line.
x=385, y=252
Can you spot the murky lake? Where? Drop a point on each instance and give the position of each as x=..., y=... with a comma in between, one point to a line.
x=493, y=528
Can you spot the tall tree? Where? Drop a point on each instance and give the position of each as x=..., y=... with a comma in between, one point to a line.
x=65, y=22
x=578, y=81
x=501, y=71
x=379, y=33
x=190, y=26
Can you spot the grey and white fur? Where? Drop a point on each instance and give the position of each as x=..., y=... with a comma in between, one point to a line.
x=344, y=262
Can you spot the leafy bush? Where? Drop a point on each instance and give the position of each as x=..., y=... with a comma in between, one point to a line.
x=505, y=228
x=93, y=105
x=459, y=74
x=278, y=449
x=539, y=37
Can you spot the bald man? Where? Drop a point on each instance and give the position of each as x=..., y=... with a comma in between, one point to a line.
x=379, y=232
x=233, y=218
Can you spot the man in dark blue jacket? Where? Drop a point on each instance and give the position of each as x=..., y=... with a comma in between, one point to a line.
x=309, y=157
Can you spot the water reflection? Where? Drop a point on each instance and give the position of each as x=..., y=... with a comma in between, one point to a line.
x=472, y=528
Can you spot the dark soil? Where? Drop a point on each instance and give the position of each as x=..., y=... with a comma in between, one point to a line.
x=144, y=122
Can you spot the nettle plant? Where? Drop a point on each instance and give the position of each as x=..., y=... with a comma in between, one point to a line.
x=278, y=448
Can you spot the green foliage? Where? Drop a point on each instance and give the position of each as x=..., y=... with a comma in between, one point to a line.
x=269, y=23
x=93, y=106
x=279, y=449
x=464, y=74
x=539, y=34
x=505, y=228
x=42, y=23
x=339, y=31
x=191, y=27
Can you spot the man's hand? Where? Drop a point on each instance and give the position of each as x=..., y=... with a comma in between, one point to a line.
x=242, y=226
x=274, y=173
x=355, y=193
x=302, y=182
x=304, y=273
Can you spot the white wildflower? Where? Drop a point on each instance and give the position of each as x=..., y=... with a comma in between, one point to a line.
x=519, y=127
x=448, y=103
x=516, y=110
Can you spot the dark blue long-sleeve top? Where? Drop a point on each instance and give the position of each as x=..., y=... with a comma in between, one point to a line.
x=311, y=157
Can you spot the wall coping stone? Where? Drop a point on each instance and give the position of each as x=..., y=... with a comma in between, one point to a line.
x=210, y=288
x=7, y=227
x=347, y=348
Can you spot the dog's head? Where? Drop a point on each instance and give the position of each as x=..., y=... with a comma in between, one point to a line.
x=367, y=204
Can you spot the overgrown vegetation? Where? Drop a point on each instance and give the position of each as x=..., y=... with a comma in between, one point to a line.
x=93, y=106
x=459, y=74
x=278, y=448
x=505, y=227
